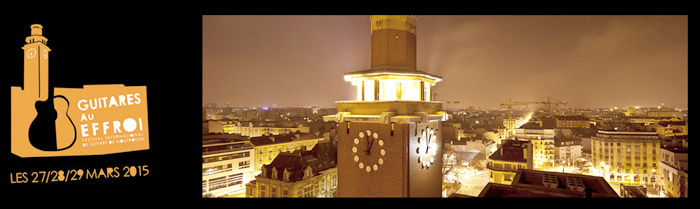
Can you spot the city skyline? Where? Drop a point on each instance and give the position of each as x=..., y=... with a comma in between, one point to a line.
x=401, y=133
x=588, y=61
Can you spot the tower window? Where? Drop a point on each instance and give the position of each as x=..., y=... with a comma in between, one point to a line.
x=369, y=90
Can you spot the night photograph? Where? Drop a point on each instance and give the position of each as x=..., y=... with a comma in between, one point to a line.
x=445, y=106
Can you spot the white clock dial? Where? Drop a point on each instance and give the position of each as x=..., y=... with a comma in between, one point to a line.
x=31, y=53
x=365, y=152
x=45, y=54
x=427, y=148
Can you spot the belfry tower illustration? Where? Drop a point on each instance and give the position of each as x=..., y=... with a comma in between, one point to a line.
x=390, y=142
x=52, y=129
x=36, y=64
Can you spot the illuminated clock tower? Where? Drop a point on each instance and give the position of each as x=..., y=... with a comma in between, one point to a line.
x=390, y=142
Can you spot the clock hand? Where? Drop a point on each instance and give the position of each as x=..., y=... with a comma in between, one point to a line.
x=427, y=145
x=369, y=147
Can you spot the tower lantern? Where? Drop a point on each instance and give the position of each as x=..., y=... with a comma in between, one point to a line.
x=390, y=142
x=393, y=75
x=36, y=29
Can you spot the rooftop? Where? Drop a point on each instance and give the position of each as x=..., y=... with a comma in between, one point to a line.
x=221, y=136
x=540, y=125
x=495, y=190
x=511, y=150
x=634, y=132
x=633, y=191
x=676, y=149
x=531, y=126
x=648, y=117
x=225, y=146
x=279, y=139
x=322, y=157
x=561, y=141
x=457, y=195
x=673, y=123
x=532, y=183
x=572, y=117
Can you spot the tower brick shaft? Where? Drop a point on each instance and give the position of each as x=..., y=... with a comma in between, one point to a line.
x=393, y=40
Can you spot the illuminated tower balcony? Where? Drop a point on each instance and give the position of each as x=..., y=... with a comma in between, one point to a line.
x=390, y=94
x=392, y=84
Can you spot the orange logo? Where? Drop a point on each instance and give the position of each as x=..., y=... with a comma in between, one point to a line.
x=93, y=120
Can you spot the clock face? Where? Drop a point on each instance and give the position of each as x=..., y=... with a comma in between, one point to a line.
x=45, y=54
x=31, y=53
x=368, y=151
x=427, y=148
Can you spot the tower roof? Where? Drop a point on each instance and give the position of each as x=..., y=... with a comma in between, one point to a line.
x=36, y=29
x=396, y=22
x=36, y=35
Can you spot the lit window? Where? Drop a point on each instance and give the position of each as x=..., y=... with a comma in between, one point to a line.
x=369, y=90
x=410, y=90
x=388, y=90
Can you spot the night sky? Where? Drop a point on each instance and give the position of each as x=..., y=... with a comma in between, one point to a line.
x=588, y=61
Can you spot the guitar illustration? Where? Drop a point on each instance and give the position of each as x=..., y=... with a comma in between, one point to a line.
x=42, y=131
x=52, y=129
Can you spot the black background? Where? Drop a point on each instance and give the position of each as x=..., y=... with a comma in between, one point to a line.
x=158, y=46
